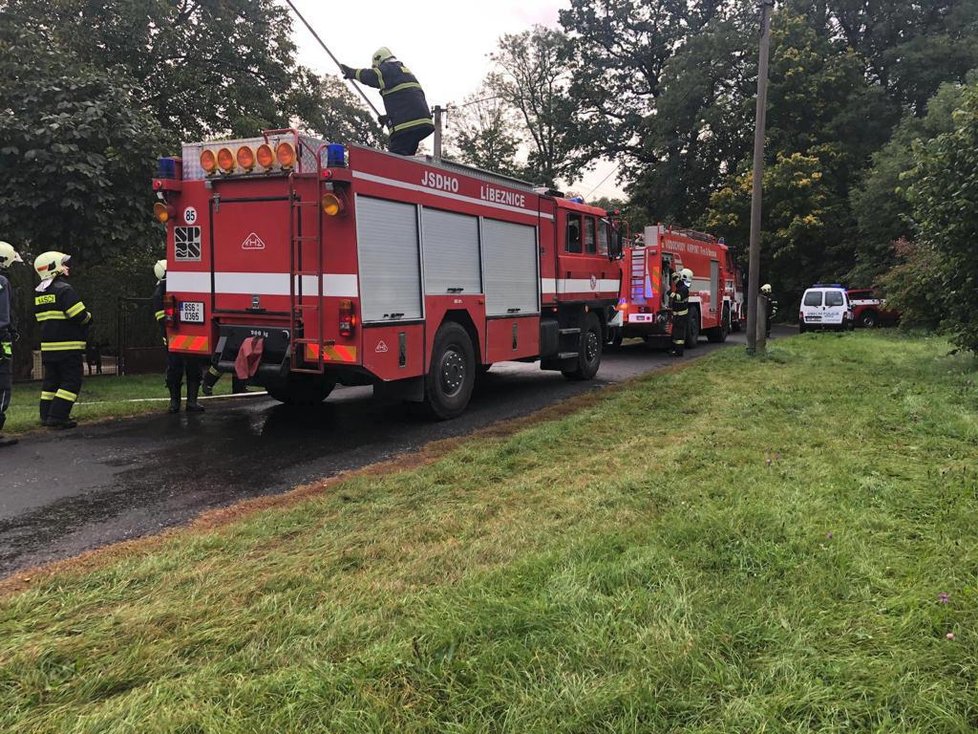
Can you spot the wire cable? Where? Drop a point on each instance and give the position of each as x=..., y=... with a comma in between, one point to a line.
x=335, y=60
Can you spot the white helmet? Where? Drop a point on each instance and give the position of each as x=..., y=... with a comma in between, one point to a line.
x=8, y=255
x=382, y=54
x=766, y=288
x=51, y=263
x=159, y=270
x=687, y=276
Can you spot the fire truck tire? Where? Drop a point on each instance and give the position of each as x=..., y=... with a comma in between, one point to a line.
x=718, y=334
x=589, y=351
x=693, y=328
x=305, y=390
x=868, y=319
x=451, y=376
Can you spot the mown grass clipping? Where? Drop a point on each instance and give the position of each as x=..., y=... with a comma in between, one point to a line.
x=776, y=544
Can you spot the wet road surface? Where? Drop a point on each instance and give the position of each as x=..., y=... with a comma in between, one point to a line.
x=64, y=493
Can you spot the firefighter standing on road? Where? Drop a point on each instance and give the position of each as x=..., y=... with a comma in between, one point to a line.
x=408, y=116
x=679, y=302
x=176, y=364
x=8, y=335
x=771, y=306
x=64, y=324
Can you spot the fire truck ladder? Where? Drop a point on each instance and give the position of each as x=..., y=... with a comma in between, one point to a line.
x=304, y=315
x=637, y=276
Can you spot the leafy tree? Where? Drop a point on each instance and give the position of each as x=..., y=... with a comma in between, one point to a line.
x=910, y=284
x=531, y=77
x=483, y=132
x=664, y=87
x=944, y=196
x=76, y=150
x=909, y=47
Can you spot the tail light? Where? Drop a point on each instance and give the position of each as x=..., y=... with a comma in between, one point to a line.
x=348, y=317
x=169, y=309
x=162, y=212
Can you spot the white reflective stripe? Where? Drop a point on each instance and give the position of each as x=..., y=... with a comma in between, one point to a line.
x=260, y=284
x=449, y=195
x=579, y=285
x=866, y=302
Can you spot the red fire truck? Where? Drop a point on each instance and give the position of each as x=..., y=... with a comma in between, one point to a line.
x=344, y=264
x=647, y=266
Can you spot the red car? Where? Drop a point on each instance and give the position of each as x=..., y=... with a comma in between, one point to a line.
x=869, y=309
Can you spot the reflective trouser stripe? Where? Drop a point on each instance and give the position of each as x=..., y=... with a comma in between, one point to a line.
x=212, y=371
x=66, y=395
x=45, y=395
x=678, y=341
x=412, y=123
x=160, y=315
x=62, y=346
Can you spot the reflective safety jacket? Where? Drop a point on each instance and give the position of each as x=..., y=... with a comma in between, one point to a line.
x=679, y=299
x=404, y=99
x=8, y=325
x=158, y=311
x=63, y=318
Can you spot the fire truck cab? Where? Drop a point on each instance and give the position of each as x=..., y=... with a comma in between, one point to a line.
x=644, y=309
x=316, y=264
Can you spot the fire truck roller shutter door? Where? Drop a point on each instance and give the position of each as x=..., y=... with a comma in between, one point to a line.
x=451, y=253
x=390, y=266
x=509, y=267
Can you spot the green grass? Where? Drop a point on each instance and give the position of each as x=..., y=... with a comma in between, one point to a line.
x=101, y=396
x=738, y=546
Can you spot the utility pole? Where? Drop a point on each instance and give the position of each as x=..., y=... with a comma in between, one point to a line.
x=754, y=260
x=438, y=110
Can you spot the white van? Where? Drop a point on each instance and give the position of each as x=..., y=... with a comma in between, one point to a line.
x=825, y=306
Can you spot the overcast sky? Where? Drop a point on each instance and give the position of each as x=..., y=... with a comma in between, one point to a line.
x=446, y=44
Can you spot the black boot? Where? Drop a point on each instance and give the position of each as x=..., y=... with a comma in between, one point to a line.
x=192, y=405
x=210, y=379
x=174, y=399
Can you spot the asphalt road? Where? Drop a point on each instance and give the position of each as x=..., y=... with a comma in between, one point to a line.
x=66, y=492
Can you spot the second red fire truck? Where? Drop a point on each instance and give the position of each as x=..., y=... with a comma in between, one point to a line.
x=715, y=292
x=315, y=264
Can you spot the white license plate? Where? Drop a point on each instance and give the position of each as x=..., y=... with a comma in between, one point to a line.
x=192, y=312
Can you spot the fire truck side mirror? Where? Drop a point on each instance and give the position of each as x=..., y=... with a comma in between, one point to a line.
x=617, y=245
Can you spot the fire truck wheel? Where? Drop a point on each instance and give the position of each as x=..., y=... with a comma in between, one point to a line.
x=302, y=390
x=718, y=334
x=589, y=354
x=449, y=382
x=868, y=319
x=693, y=328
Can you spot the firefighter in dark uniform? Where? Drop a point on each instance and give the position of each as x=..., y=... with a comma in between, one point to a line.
x=408, y=116
x=679, y=302
x=8, y=335
x=771, y=306
x=64, y=324
x=176, y=364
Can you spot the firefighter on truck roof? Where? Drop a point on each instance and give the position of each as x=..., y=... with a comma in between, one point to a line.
x=408, y=116
x=64, y=324
x=679, y=301
x=176, y=364
x=8, y=335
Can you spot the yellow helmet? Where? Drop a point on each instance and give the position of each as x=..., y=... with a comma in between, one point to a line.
x=159, y=270
x=8, y=255
x=382, y=54
x=766, y=288
x=51, y=263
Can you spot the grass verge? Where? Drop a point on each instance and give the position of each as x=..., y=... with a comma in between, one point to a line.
x=781, y=544
x=101, y=396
